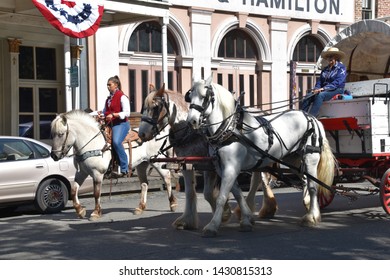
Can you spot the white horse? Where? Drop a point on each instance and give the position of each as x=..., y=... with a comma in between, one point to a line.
x=244, y=142
x=79, y=130
x=164, y=108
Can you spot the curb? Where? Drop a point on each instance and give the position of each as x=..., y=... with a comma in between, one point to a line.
x=130, y=185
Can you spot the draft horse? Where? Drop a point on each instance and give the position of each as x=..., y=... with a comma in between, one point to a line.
x=242, y=141
x=165, y=108
x=78, y=130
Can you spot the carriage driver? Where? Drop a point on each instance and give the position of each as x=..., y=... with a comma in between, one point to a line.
x=116, y=113
x=330, y=83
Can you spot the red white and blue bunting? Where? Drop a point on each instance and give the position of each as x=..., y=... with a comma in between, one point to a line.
x=77, y=18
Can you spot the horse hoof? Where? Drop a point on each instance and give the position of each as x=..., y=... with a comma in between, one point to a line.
x=182, y=225
x=266, y=214
x=309, y=221
x=307, y=224
x=179, y=225
x=237, y=212
x=95, y=216
x=81, y=214
x=173, y=207
x=138, y=211
x=246, y=228
x=226, y=217
x=209, y=233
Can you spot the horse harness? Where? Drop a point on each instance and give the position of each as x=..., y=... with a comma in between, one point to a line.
x=93, y=153
x=308, y=148
x=231, y=130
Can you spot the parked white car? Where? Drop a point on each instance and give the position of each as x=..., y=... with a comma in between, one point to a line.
x=29, y=175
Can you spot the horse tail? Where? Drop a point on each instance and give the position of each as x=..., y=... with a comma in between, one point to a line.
x=326, y=166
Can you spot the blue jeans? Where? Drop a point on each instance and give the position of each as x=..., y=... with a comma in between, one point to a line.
x=119, y=133
x=317, y=100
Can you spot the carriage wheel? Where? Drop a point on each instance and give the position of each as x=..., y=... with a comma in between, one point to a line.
x=385, y=191
x=324, y=196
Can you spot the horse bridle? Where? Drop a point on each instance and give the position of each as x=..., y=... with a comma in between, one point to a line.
x=63, y=152
x=208, y=99
x=156, y=119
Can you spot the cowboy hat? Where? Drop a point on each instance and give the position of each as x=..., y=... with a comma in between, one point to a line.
x=332, y=51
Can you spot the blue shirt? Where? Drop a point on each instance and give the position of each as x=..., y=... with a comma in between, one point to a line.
x=332, y=78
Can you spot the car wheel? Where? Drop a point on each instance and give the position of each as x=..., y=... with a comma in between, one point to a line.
x=52, y=196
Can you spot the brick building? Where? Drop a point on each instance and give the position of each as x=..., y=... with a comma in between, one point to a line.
x=370, y=9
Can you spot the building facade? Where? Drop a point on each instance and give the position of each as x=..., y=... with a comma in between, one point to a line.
x=44, y=72
x=249, y=46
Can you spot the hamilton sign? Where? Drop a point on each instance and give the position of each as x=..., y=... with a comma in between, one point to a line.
x=327, y=10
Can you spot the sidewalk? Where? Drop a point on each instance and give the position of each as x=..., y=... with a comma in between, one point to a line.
x=132, y=184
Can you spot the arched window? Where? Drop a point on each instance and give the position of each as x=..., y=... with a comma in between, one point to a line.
x=308, y=49
x=147, y=38
x=237, y=44
x=145, y=45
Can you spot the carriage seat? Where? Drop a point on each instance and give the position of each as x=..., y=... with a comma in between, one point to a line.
x=344, y=123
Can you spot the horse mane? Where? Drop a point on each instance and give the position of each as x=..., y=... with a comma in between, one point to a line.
x=225, y=100
x=223, y=97
x=77, y=115
x=176, y=97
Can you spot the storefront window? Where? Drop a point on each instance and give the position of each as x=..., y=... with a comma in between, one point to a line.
x=46, y=63
x=37, y=63
x=26, y=62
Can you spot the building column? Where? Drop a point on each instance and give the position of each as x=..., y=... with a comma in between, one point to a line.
x=68, y=65
x=75, y=51
x=164, y=49
x=279, y=88
x=107, y=61
x=13, y=45
x=201, y=42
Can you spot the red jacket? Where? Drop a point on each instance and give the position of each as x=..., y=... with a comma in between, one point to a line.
x=113, y=105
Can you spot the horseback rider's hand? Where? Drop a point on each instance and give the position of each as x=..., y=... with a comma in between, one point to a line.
x=110, y=117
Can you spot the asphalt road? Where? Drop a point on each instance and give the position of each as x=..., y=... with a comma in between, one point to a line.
x=350, y=230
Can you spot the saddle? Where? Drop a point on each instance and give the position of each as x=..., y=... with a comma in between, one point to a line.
x=132, y=136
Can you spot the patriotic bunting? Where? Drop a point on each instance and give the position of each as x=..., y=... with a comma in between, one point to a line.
x=77, y=18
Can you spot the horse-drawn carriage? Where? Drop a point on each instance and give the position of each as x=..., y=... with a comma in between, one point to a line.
x=358, y=129
x=236, y=140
